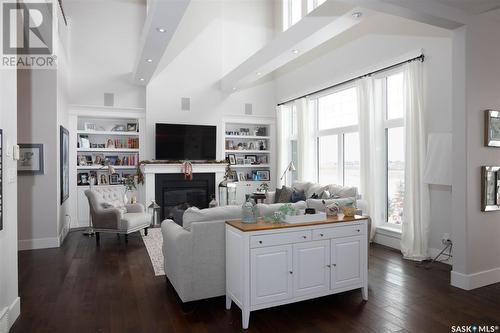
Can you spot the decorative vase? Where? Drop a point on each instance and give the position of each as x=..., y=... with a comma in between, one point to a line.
x=349, y=211
x=248, y=212
x=125, y=197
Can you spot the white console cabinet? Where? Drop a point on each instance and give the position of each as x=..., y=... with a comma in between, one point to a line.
x=269, y=265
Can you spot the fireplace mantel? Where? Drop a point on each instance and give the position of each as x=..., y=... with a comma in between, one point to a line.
x=150, y=170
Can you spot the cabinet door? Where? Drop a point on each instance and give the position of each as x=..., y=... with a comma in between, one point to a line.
x=311, y=272
x=271, y=274
x=346, y=258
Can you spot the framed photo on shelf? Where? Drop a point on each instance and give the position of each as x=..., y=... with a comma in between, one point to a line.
x=131, y=127
x=240, y=160
x=83, y=178
x=263, y=175
x=114, y=179
x=89, y=127
x=102, y=178
x=233, y=175
x=262, y=159
x=242, y=177
x=492, y=128
x=232, y=159
x=252, y=158
x=30, y=159
x=247, y=161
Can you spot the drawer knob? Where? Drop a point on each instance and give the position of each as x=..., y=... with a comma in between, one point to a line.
x=334, y=265
x=328, y=266
x=260, y=242
x=291, y=272
x=321, y=235
x=358, y=230
x=304, y=237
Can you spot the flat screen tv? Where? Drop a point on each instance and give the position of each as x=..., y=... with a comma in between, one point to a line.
x=185, y=142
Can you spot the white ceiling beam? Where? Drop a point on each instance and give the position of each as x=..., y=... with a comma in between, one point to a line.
x=324, y=23
x=162, y=20
x=424, y=11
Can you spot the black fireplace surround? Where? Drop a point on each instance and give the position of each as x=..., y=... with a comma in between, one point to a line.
x=173, y=193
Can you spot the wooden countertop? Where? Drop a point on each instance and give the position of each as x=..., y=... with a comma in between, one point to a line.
x=261, y=225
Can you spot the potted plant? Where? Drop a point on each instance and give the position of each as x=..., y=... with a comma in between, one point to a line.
x=263, y=187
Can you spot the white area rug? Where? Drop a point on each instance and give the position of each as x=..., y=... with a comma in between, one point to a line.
x=153, y=242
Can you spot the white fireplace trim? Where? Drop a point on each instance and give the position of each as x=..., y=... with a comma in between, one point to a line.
x=147, y=191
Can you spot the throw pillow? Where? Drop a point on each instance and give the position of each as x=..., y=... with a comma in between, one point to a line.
x=285, y=195
x=320, y=206
x=298, y=196
x=277, y=195
x=325, y=195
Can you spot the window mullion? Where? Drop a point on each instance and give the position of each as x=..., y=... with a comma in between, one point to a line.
x=340, y=140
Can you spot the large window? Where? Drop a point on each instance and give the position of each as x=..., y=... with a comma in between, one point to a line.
x=338, y=137
x=295, y=10
x=392, y=91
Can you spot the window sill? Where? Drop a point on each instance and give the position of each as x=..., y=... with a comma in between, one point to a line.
x=389, y=236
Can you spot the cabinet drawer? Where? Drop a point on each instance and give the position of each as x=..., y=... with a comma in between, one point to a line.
x=279, y=239
x=346, y=231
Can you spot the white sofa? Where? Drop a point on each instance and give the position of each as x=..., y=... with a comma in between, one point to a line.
x=194, y=253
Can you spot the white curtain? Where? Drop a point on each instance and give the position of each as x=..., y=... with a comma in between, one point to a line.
x=371, y=151
x=306, y=142
x=414, y=238
x=283, y=133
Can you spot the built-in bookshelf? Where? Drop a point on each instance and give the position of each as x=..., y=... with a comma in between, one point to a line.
x=247, y=148
x=104, y=144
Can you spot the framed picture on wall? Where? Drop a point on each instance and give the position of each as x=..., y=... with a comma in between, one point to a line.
x=232, y=159
x=64, y=162
x=490, y=188
x=492, y=128
x=30, y=159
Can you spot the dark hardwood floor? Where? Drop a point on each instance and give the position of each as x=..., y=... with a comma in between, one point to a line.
x=112, y=288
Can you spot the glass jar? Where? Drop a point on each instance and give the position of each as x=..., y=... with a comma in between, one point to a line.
x=248, y=212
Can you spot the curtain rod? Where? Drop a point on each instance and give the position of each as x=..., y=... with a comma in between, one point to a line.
x=420, y=57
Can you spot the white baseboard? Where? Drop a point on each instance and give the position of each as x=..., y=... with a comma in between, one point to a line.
x=475, y=280
x=9, y=314
x=63, y=234
x=38, y=243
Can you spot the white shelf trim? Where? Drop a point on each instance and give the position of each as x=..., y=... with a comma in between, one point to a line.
x=108, y=133
x=254, y=137
x=248, y=151
x=95, y=167
x=108, y=150
x=242, y=166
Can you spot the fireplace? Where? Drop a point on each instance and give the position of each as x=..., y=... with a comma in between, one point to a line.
x=173, y=192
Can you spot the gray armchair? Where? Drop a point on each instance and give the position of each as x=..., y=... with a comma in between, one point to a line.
x=110, y=214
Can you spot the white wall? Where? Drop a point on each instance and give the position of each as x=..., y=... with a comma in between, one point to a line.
x=9, y=299
x=37, y=105
x=478, y=234
x=235, y=31
x=42, y=108
x=104, y=42
x=364, y=54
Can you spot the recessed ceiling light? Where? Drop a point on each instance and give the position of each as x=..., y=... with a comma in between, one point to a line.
x=357, y=14
x=161, y=29
x=234, y=88
x=149, y=60
x=141, y=79
x=259, y=73
x=295, y=51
